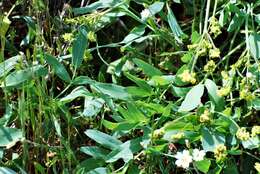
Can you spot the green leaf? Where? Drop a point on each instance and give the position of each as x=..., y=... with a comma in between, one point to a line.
x=92, y=106
x=94, y=151
x=58, y=68
x=218, y=101
x=211, y=139
x=254, y=45
x=147, y=68
x=138, y=92
x=176, y=29
x=252, y=143
x=192, y=99
x=8, y=65
x=99, y=170
x=236, y=22
x=5, y=170
x=18, y=77
x=103, y=139
x=132, y=114
x=186, y=58
x=112, y=90
x=156, y=7
x=135, y=33
x=88, y=165
x=203, y=165
x=77, y=92
x=140, y=82
x=78, y=48
x=9, y=136
x=180, y=91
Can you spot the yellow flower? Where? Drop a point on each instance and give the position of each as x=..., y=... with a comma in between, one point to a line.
x=257, y=167
x=205, y=117
x=242, y=134
x=186, y=76
x=210, y=66
x=246, y=94
x=255, y=131
x=215, y=27
x=91, y=36
x=158, y=133
x=222, y=92
x=67, y=37
x=178, y=136
x=220, y=152
x=214, y=53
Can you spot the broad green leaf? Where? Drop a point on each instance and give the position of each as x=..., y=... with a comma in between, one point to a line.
x=125, y=151
x=9, y=64
x=88, y=165
x=9, y=136
x=252, y=143
x=18, y=77
x=156, y=7
x=254, y=45
x=94, y=151
x=132, y=114
x=192, y=99
x=218, y=101
x=256, y=104
x=78, y=48
x=58, y=68
x=236, y=22
x=180, y=91
x=112, y=90
x=95, y=6
x=148, y=69
x=178, y=125
x=176, y=29
x=203, y=165
x=135, y=33
x=100, y=170
x=231, y=167
x=211, y=139
x=140, y=82
x=77, y=92
x=103, y=139
x=161, y=80
x=92, y=106
x=138, y=92
x=186, y=58
x=5, y=170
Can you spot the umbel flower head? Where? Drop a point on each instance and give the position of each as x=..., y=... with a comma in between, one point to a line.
x=255, y=131
x=224, y=91
x=186, y=76
x=183, y=159
x=242, y=134
x=220, y=152
x=210, y=66
x=205, y=117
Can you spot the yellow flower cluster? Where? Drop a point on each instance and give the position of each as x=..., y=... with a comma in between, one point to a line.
x=255, y=131
x=177, y=136
x=215, y=27
x=242, y=134
x=224, y=91
x=257, y=167
x=210, y=66
x=224, y=74
x=214, y=53
x=201, y=48
x=186, y=76
x=67, y=37
x=246, y=94
x=92, y=36
x=220, y=152
x=158, y=133
x=205, y=117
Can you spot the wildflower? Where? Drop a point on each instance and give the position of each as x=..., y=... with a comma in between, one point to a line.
x=246, y=94
x=257, y=167
x=205, y=117
x=210, y=66
x=145, y=14
x=222, y=92
x=224, y=74
x=214, y=53
x=215, y=27
x=91, y=36
x=220, y=152
x=198, y=155
x=186, y=76
x=255, y=131
x=242, y=134
x=183, y=159
x=177, y=136
x=158, y=133
x=67, y=37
